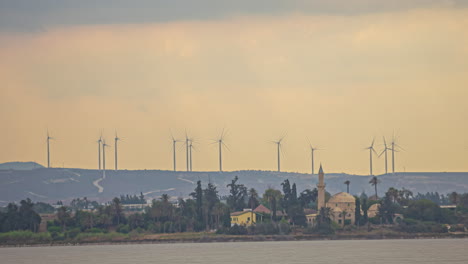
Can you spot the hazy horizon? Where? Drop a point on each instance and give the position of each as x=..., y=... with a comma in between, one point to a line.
x=332, y=73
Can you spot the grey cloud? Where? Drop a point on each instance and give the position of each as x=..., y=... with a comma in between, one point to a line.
x=34, y=15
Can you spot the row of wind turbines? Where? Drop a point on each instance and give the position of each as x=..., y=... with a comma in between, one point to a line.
x=220, y=141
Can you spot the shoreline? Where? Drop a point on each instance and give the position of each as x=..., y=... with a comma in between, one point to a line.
x=214, y=238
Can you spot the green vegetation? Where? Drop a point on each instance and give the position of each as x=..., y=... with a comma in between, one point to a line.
x=399, y=212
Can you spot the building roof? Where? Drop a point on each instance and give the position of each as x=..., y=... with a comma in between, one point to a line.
x=342, y=197
x=262, y=209
x=308, y=211
x=320, y=170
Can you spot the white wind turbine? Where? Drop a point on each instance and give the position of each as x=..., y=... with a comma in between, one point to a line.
x=49, y=138
x=221, y=143
x=278, y=146
x=99, y=141
x=104, y=145
x=312, y=151
x=384, y=151
x=393, y=148
x=116, y=139
x=174, y=142
x=371, y=150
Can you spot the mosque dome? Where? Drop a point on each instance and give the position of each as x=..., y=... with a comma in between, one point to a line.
x=342, y=197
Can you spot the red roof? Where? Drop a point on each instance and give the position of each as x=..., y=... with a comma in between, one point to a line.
x=262, y=209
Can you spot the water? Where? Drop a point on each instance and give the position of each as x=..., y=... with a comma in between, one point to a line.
x=349, y=252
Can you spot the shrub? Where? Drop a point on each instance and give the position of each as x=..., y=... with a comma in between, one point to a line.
x=415, y=226
x=72, y=233
x=124, y=229
x=53, y=229
x=24, y=237
x=96, y=230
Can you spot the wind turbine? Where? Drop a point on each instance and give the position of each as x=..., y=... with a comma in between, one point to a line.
x=99, y=150
x=220, y=142
x=278, y=144
x=312, y=150
x=104, y=145
x=190, y=152
x=384, y=151
x=115, y=150
x=187, y=141
x=371, y=149
x=394, y=145
x=174, y=142
x=49, y=138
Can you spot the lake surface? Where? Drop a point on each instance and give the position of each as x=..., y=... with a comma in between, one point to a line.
x=341, y=251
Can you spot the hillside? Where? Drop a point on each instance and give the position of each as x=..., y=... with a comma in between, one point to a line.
x=20, y=165
x=54, y=184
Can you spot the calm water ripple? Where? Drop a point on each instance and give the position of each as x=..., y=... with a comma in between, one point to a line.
x=350, y=252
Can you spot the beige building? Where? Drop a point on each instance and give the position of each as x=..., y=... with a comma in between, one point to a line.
x=342, y=205
x=373, y=210
x=342, y=208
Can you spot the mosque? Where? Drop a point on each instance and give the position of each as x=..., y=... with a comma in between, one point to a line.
x=342, y=205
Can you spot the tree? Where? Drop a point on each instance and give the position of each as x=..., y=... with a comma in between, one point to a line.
x=424, y=210
x=270, y=197
x=387, y=209
x=324, y=223
x=237, y=195
x=454, y=197
x=347, y=182
x=211, y=198
x=374, y=182
x=198, y=196
x=253, y=198
x=307, y=196
x=116, y=210
x=29, y=220
x=357, y=212
x=63, y=217
x=364, y=210
x=286, y=193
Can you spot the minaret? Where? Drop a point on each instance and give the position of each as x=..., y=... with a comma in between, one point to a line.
x=321, y=190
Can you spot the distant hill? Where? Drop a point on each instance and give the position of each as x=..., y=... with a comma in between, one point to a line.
x=54, y=184
x=20, y=165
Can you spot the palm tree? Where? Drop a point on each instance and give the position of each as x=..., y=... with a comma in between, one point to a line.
x=374, y=181
x=165, y=198
x=347, y=185
x=253, y=198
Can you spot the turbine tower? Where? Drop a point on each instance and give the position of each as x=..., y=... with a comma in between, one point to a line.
x=371, y=150
x=104, y=145
x=187, y=141
x=312, y=150
x=99, y=151
x=174, y=142
x=49, y=138
x=278, y=145
x=384, y=151
x=115, y=150
x=394, y=149
x=220, y=142
x=190, y=153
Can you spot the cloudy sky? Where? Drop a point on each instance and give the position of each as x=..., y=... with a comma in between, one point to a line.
x=336, y=73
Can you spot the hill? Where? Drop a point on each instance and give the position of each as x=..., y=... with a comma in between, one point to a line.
x=20, y=165
x=54, y=184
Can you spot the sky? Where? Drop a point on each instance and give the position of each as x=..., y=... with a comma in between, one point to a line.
x=333, y=73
